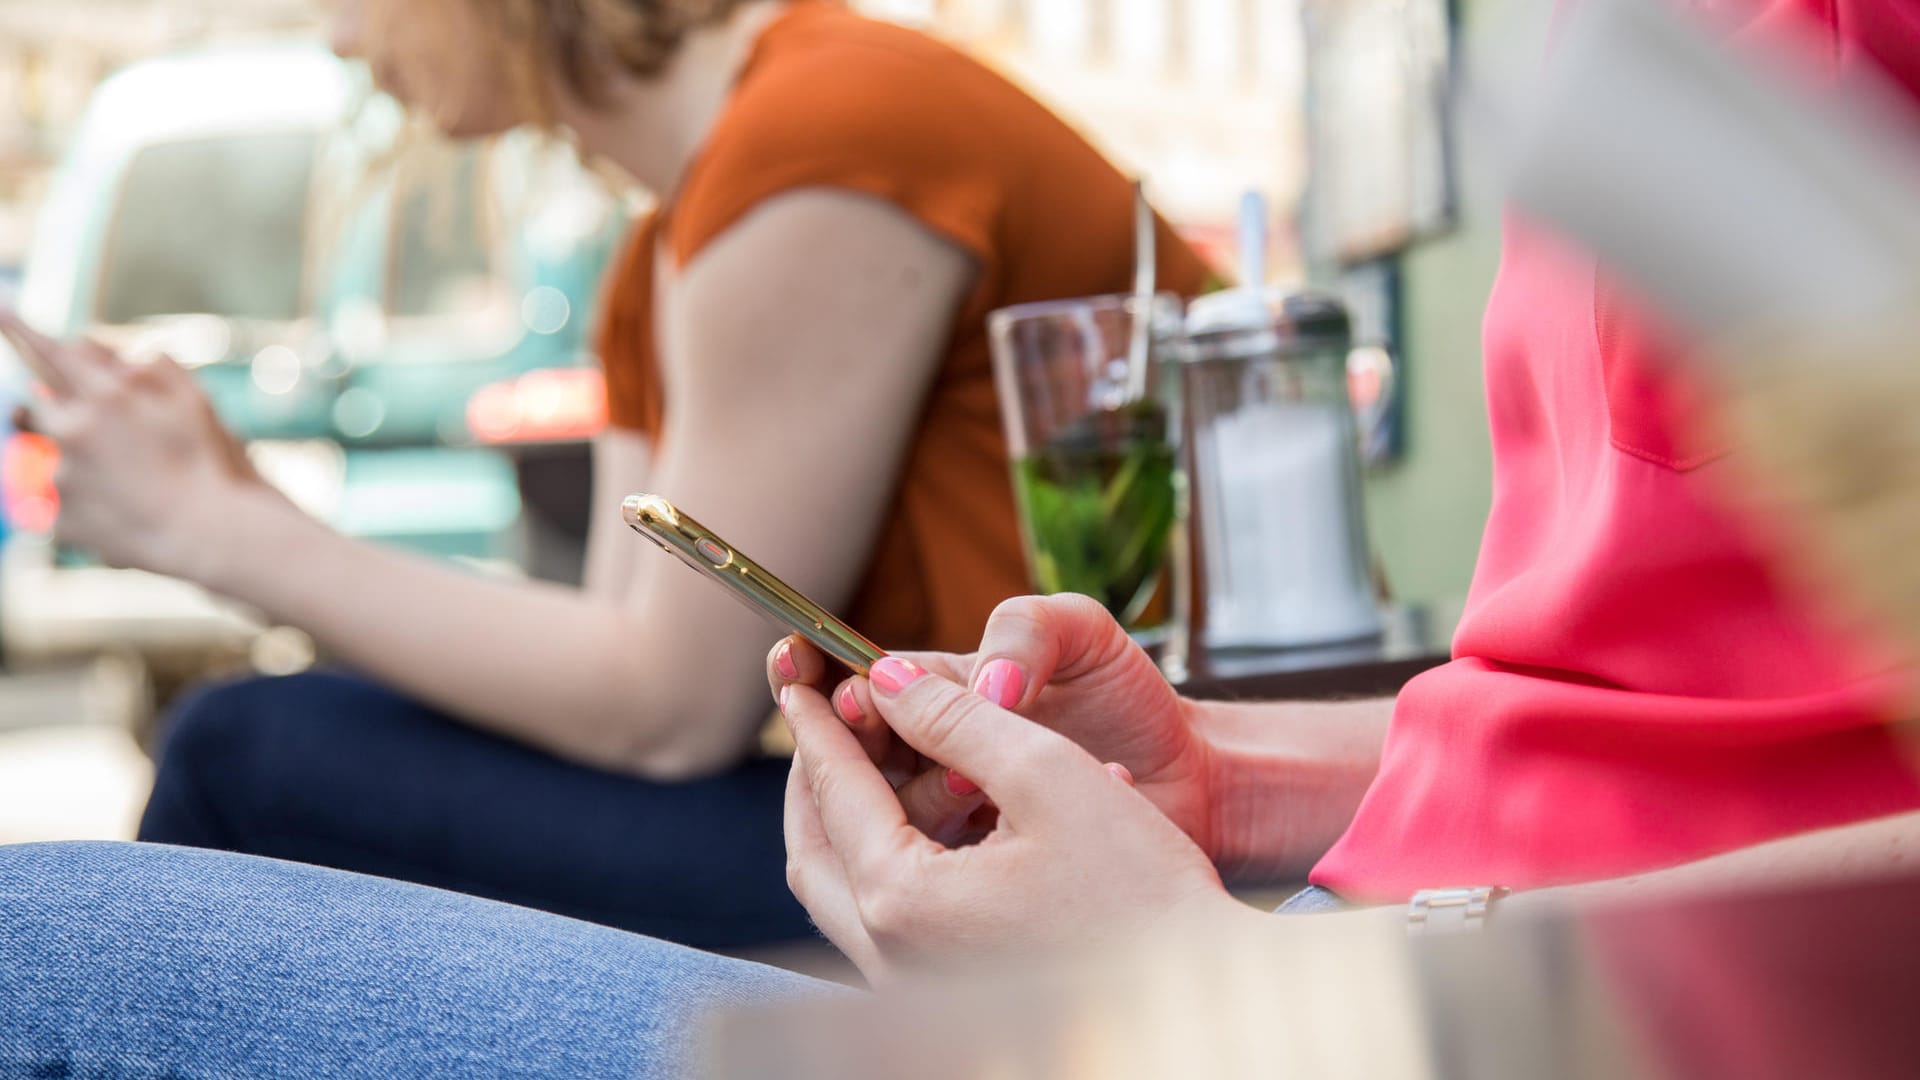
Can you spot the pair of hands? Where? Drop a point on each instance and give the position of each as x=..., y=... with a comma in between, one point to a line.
x=141, y=451
x=1043, y=844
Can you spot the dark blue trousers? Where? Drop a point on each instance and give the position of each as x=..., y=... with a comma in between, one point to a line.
x=338, y=771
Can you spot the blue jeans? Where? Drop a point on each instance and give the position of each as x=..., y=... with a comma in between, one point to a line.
x=338, y=771
x=133, y=960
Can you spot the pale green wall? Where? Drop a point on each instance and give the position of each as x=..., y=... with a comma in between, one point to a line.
x=1425, y=513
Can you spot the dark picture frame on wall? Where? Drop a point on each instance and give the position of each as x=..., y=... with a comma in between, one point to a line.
x=1379, y=134
x=1376, y=365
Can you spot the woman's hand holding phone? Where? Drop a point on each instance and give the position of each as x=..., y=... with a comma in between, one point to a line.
x=1063, y=663
x=1076, y=856
x=142, y=453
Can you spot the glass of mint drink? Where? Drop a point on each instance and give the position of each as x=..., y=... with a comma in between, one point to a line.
x=1093, y=470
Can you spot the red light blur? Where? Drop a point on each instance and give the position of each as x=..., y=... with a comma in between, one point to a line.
x=27, y=467
x=549, y=405
x=1365, y=387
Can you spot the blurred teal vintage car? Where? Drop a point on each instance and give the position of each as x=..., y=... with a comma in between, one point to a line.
x=397, y=325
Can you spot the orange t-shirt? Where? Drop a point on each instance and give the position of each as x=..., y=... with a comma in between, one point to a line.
x=829, y=99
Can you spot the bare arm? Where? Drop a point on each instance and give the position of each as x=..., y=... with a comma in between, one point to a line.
x=1863, y=850
x=1286, y=778
x=622, y=464
x=798, y=346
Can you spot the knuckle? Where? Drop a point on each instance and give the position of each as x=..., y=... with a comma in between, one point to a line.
x=1023, y=615
x=79, y=424
x=1019, y=607
x=120, y=380
x=1079, y=605
x=1074, y=615
x=826, y=782
x=886, y=909
x=108, y=399
x=1049, y=753
x=943, y=719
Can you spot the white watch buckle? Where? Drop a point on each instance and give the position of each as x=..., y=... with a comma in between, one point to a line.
x=1451, y=910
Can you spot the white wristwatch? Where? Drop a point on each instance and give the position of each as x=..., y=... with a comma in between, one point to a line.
x=1450, y=911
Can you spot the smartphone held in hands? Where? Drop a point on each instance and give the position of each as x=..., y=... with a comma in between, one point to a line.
x=672, y=530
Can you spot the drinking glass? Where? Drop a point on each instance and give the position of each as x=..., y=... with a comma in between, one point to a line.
x=1093, y=469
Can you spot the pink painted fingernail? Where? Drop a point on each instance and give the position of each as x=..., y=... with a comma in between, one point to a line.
x=785, y=693
x=960, y=785
x=1121, y=771
x=849, y=705
x=892, y=674
x=783, y=661
x=1001, y=683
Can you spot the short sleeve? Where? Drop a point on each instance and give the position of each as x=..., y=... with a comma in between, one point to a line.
x=626, y=343
x=858, y=117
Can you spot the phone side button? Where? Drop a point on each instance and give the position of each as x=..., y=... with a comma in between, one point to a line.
x=713, y=552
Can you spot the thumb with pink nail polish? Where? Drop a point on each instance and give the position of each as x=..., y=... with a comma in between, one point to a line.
x=1001, y=682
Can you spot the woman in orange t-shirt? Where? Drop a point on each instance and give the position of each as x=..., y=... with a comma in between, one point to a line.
x=843, y=203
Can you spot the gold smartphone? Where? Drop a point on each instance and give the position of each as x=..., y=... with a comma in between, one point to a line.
x=699, y=547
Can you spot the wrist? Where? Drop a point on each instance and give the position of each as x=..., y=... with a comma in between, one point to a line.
x=1213, y=911
x=224, y=525
x=1243, y=790
x=1284, y=780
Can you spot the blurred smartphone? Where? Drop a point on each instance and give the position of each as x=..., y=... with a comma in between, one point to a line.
x=699, y=547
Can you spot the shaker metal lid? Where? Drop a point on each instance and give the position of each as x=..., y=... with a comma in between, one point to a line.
x=1237, y=322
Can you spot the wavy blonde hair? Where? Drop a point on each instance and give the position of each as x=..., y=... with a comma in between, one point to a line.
x=528, y=43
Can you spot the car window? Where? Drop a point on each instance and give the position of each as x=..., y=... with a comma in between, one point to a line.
x=211, y=226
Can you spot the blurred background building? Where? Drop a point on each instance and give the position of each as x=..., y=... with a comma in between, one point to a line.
x=54, y=52
x=1201, y=95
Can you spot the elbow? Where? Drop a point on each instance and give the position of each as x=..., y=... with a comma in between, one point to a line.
x=670, y=730
x=673, y=755
x=675, y=763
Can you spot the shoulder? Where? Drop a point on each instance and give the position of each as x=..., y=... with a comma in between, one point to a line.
x=829, y=75
x=839, y=101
